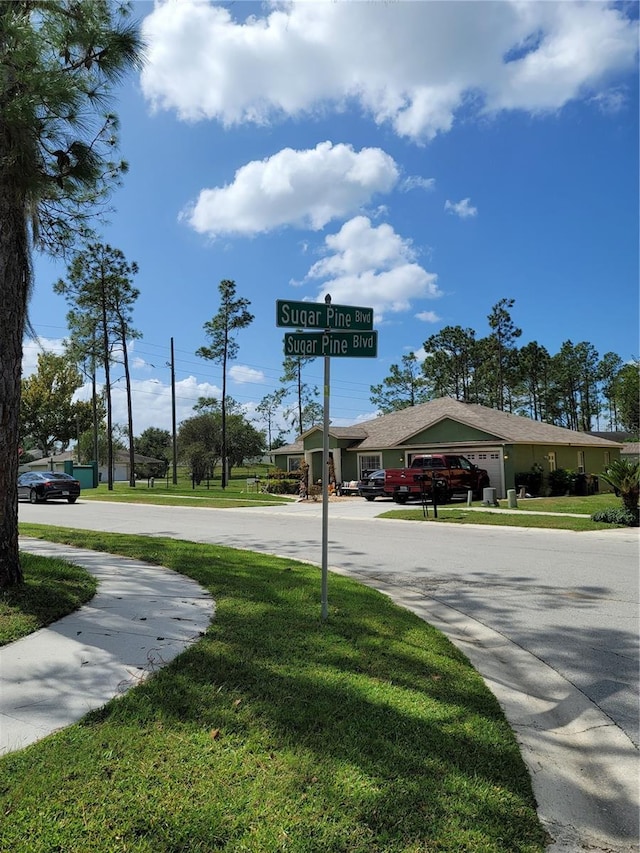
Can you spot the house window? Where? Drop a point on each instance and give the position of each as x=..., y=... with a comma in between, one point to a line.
x=581, y=462
x=552, y=460
x=607, y=458
x=369, y=463
x=293, y=463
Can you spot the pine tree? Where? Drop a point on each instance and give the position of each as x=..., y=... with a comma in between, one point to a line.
x=405, y=386
x=231, y=317
x=100, y=290
x=59, y=62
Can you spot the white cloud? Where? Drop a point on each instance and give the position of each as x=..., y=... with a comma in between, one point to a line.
x=428, y=317
x=241, y=374
x=576, y=48
x=32, y=349
x=464, y=209
x=306, y=188
x=152, y=401
x=415, y=182
x=611, y=101
x=410, y=65
x=373, y=267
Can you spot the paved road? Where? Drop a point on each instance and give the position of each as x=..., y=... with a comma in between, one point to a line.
x=550, y=618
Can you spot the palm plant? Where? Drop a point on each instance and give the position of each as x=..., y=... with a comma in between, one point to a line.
x=624, y=476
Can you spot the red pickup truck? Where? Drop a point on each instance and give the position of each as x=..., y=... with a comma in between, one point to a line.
x=435, y=474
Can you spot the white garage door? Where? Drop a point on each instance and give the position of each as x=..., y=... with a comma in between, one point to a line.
x=491, y=461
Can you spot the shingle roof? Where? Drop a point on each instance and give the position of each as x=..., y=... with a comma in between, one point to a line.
x=289, y=449
x=356, y=433
x=630, y=448
x=617, y=435
x=397, y=428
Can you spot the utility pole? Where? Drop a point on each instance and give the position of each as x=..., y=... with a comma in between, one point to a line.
x=173, y=417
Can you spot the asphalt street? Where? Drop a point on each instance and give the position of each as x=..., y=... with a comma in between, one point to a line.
x=550, y=618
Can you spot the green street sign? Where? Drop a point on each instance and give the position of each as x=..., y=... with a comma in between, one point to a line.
x=334, y=344
x=318, y=315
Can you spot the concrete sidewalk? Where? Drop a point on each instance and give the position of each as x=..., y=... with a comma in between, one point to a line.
x=141, y=617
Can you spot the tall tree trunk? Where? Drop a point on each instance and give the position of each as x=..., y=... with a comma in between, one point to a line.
x=127, y=379
x=107, y=383
x=94, y=407
x=15, y=278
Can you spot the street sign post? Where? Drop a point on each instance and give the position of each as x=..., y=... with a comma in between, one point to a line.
x=347, y=332
x=334, y=344
x=317, y=315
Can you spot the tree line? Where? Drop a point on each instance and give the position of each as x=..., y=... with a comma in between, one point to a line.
x=573, y=388
x=99, y=290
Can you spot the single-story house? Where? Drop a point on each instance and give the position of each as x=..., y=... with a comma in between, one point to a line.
x=120, y=464
x=502, y=443
x=631, y=451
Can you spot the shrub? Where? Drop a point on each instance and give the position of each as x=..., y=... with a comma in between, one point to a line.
x=281, y=487
x=616, y=515
x=624, y=476
x=531, y=480
x=278, y=474
x=315, y=491
x=559, y=482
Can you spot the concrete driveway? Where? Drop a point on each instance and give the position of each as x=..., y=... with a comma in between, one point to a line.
x=550, y=619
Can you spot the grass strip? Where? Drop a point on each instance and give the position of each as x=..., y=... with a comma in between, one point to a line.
x=233, y=496
x=583, y=504
x=369, y=733
x=52, y=588
x=447, y=515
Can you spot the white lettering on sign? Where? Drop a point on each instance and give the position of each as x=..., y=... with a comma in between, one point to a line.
x=363, y=342
x=302, y=345
x=364, y=317
x=303, y=317
x=334, y=346
x=337, y=319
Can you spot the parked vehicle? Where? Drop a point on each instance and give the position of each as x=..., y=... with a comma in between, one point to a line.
x=371, y=486
x=40, y=486
x=435, y=475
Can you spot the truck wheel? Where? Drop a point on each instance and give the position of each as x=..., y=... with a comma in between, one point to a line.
x=369, y=497
x=400, y=499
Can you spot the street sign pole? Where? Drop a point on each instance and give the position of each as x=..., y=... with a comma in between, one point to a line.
x=324, y=612
x=347, y=331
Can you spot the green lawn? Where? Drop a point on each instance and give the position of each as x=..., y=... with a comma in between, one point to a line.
x=52, y=588
x=369, y=733
x=236, y=494
x=462, y=515
x=586, y=505
x=459, y=513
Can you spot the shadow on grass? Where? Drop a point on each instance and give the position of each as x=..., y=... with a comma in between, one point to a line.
x=373, y=693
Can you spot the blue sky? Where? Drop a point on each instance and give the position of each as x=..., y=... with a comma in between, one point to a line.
x=425, y=159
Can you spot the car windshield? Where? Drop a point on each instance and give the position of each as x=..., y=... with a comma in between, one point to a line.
x=55, y=475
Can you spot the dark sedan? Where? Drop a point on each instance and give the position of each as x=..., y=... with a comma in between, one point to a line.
x=371, y=486
x=40, y=486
